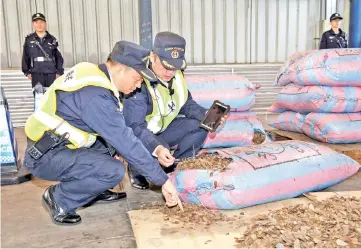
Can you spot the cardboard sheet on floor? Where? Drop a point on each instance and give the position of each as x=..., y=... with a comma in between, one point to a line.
x=151, y=230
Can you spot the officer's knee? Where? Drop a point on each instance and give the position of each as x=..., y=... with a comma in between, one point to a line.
x=202, y=135
x=112, y=171
x=193, y=123
x=198, y=134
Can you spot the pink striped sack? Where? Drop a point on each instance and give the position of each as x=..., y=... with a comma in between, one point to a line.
x=264, y=173
x=335, y=128
x=234, y=90
x=329, y=67
x=238, y=130
x=306, y=99
x=289, y=121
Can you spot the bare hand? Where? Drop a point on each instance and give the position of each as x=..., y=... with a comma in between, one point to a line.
x=29, y=76
x=165, y=158
x=57, y=75
x=171, y=195
x=116, y=156
x=223, y=120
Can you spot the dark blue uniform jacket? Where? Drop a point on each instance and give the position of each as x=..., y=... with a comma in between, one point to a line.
x=332, y=40
x=95, y=109
x=31, y=51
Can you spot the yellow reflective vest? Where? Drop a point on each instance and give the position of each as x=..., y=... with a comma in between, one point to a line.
x=45, y=118
x=166, y=107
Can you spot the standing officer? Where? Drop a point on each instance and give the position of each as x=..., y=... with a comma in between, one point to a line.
x=42, y=62
x=153, y=111
x=335, y=37
x=79, y=125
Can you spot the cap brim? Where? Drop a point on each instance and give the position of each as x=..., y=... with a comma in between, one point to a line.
x=173, y=64
x=337, y=17
x=37, y=18
x=146, y=74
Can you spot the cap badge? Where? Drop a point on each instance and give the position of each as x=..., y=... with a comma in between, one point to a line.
x=175, y=54
x=37, y=15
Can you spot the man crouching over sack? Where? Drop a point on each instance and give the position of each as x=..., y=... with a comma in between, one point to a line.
x=78, y=128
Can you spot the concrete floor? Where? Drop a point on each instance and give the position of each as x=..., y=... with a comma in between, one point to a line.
x=25, y=223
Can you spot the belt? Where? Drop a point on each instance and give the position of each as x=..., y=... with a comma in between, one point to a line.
x=40, y=59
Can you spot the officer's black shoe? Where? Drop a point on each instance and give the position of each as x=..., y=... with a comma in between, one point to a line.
x=58, y=215
x=137, y=181
x=106, y=197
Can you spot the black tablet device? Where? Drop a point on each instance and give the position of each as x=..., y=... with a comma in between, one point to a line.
x=214, y=115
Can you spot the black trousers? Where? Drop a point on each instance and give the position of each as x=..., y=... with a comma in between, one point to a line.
x=44, y=79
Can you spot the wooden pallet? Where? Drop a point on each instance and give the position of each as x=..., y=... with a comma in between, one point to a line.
x=351, y=150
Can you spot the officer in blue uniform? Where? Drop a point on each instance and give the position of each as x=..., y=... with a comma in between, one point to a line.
x=86, y=103
x=177, y=120
x=335, y=37
x=42, y=61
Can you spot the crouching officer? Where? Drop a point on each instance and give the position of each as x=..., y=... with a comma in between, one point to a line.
x=335, y=37
x=73, y=135
x=153, y=111
x=42, y=62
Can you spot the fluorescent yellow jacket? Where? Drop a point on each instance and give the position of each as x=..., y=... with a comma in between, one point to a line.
x=166, y=107
x=45, y=118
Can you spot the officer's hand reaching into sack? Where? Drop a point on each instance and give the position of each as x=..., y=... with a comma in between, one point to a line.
x=164, y=156
x=171, y=195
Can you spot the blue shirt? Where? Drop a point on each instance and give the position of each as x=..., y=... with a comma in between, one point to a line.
x=96, y=109
x=140, y=104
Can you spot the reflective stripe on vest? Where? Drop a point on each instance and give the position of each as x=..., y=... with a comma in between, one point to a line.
x=81, y=75
x=166, y=107
x=64, y=127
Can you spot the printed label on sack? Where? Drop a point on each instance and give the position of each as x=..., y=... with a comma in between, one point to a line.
x=354, y=116
x=342, y=52
x=272, y=154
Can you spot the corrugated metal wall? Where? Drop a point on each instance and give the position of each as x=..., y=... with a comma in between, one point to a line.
x=217, y=31
x=21, y=101
x=86, y=29
x=239, y=31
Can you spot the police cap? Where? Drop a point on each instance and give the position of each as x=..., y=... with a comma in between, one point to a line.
x=170, y=48
x=335, y=16
x=134, y=56
x=37, y=16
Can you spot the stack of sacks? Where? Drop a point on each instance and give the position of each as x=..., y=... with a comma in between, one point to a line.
x=236, y=91
x=321, y=95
